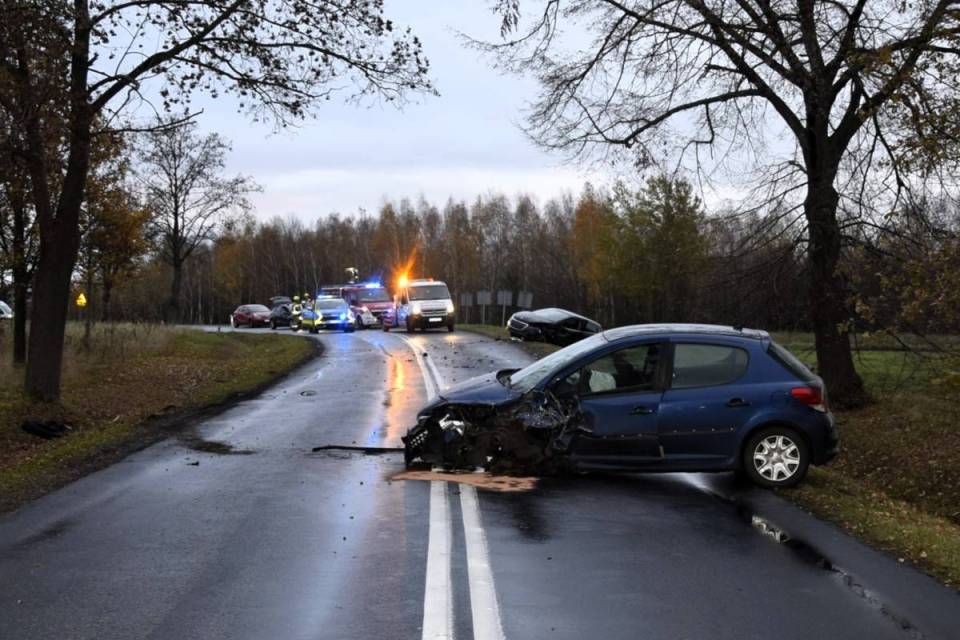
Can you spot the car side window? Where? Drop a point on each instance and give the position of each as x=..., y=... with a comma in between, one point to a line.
x=630, y=369
x=707, y=365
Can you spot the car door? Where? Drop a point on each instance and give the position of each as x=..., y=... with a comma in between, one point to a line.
x=706, y=402
x=619, y=398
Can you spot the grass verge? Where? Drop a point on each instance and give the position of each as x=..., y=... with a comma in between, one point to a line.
x=132, y=387
x=896, y=484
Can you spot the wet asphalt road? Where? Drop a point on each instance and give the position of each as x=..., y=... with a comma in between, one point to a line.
x=271, y=540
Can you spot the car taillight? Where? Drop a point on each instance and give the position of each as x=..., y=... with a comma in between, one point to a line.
x=810, y=396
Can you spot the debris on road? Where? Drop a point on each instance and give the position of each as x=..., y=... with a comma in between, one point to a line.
x=504, y=484
x=370, y=451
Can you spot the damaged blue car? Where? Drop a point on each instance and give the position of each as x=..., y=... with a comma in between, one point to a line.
x=672, y=397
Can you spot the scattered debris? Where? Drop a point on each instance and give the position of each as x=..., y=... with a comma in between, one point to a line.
x=370, y=451
x=47, y=429
x=195, y=463
x=768, y=528
x=308, y=392
x=504, y=484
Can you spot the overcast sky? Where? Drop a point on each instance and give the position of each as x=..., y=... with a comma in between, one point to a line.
x=463, y=143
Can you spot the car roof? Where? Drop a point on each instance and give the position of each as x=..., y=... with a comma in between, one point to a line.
x=680, y=328
x=554, y=314
x=425, y=283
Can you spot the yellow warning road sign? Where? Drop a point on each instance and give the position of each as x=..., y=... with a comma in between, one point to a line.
x=81, y=300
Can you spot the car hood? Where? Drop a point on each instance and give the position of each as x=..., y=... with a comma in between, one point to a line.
x=483, y=389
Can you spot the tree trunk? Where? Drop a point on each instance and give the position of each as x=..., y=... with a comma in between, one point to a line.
x=21, y=276
x=20, y=285
x=88, y=313
x=51, y=298
x=827, y=297
x=173, y=304
x=105, y=296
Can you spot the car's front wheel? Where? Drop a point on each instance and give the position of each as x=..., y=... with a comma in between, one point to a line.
x=776, y=457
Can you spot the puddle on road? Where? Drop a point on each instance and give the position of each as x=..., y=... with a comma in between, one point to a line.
x=502, y=484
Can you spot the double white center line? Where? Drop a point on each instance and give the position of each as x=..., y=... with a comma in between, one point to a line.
x=438, y=592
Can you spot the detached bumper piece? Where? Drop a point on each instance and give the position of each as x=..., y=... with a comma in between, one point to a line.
x=528, y=437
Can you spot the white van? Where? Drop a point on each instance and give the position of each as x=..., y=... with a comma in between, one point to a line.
x=422, y=304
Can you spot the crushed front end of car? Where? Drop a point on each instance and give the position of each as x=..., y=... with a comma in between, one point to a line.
x=527, y=436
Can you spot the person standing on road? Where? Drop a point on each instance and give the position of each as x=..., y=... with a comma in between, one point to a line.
x=296, y=309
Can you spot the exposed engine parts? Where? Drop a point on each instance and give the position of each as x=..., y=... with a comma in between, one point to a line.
x=529, y=436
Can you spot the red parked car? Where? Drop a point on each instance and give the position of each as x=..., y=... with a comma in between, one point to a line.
x=251, y=315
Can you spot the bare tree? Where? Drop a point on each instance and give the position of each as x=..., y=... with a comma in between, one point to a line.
x=836, y=106
x=181, y=175
x=278, y=57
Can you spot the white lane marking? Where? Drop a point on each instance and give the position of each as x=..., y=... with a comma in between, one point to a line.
x=431, y=387
x=483, y=593
x=438, y=592
x=484, y=608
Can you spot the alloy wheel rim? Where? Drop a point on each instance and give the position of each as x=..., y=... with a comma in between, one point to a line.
x=776, y=458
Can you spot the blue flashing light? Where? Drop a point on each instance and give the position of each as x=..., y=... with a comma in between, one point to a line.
x=372, y=285
x=343, y=316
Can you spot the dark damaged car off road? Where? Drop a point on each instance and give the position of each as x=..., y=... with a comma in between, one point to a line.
x=556, y=326
x=639, y=398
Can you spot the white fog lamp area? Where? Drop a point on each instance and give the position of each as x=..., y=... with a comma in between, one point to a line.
x=415, y=308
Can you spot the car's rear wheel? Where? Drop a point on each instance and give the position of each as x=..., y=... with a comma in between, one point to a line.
x=776, y=457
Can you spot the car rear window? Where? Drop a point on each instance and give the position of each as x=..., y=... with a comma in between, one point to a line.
x=707, y=365
x=790, y=362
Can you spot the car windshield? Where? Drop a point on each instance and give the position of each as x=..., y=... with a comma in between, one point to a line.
x=330, y=305
x=528, y=377
x=378, y=294
x=257, y=308
x=430, y=292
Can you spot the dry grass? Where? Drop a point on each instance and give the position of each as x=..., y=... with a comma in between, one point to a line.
x=129, y=374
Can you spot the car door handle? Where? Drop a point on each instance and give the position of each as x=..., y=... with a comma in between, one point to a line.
x=738, y=402
x=641, y=410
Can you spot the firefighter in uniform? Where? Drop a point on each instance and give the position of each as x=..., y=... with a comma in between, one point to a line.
x=295, y=310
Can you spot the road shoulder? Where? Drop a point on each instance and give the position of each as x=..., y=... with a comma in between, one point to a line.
x=32, y=467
